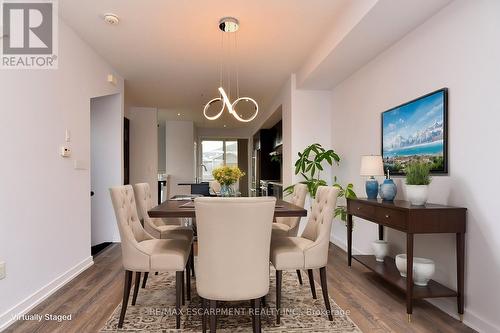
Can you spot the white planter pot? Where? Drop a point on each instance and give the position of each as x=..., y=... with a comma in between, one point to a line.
x=417, y=194
x=423, y=269
x=380, y=249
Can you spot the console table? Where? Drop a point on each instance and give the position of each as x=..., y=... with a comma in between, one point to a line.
x=402, y=216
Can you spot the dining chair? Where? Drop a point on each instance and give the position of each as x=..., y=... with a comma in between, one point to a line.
x=310, y=250
x=143, y=253
x=157, y=227
x=214, y=187
x=289, y=226
x=234, y=236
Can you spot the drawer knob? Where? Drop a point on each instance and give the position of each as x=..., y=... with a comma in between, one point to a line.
x=359, y=208
x=387, y=216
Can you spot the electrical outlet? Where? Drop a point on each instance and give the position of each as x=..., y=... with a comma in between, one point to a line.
x=2, y=270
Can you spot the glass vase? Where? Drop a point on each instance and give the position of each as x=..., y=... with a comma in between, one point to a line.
x=226, y=191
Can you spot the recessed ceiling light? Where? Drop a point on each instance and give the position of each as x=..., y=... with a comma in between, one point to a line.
x=111, y=19
x=178, y=114
x=225, y=125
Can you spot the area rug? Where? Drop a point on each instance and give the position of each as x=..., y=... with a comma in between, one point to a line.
x=155, y=310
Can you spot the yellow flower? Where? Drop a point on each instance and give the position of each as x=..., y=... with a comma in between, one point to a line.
x=227, y=175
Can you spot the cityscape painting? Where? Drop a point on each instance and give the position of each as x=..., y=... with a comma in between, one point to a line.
x=416, y=130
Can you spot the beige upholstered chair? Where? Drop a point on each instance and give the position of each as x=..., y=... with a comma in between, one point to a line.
x=156, y=227
x=234, y=236
x=289, y=226
x=143, y=253
x=159, y=228
x=309, y=251
x=214, y=187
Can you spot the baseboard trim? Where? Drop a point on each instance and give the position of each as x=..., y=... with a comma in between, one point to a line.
x=8, y=318
x=446, y=305
x=343, y=244
x=471, y=319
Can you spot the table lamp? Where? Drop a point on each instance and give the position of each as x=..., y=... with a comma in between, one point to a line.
x=371, y=165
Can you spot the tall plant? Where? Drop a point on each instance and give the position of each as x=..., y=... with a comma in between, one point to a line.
x=417, y=173
x=310, y=164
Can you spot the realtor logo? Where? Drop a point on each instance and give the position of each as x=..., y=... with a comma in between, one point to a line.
x=29, y=34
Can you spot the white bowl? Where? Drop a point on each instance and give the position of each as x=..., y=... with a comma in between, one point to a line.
x=423, y=269
x=380, y=249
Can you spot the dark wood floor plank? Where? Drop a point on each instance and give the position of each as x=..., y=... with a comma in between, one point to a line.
x=373, y=306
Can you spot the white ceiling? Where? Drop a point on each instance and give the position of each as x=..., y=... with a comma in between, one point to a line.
x=169, y=51
x=373, y=34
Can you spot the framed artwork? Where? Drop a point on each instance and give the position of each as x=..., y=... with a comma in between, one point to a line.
x=417, y=130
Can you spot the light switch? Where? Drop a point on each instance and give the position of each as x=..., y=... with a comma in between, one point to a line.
x=67, y=135
x=2, y=270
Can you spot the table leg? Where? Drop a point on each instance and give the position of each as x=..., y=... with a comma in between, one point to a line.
x=460, y=273
x=409, y=275
x=349, y=239
x=159, y=193
x=380, y=232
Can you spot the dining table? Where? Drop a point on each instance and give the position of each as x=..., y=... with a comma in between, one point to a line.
x=185, y=208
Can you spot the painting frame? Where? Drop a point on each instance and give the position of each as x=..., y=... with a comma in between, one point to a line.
x=445, y=168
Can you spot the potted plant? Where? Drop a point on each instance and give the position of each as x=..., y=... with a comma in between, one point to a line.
x=226, y=176
x=417, y=182
x=310, y=165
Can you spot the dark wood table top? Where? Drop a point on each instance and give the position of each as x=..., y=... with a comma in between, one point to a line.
x=173, y=208
x=401, y=215
x=401, y=205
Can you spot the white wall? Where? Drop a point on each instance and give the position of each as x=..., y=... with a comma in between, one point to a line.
x=457, y=48
x=306, y=119
x=180, y=155
x=310, y=123
x=45, y=203
x=144, y=147
x=106, y=125
x=215, y=132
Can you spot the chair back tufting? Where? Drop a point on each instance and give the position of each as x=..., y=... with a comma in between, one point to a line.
x=130, y=228
x=298, y=198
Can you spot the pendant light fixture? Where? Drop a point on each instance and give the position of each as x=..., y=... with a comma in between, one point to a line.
x=229, y=26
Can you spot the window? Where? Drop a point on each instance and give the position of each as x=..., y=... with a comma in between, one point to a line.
x=216, y=153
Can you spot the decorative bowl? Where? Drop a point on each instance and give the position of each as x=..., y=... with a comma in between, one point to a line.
x=423, y=269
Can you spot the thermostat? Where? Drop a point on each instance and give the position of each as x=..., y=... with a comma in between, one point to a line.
x=65, y=151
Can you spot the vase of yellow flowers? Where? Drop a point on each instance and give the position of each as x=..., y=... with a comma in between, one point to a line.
x=226, y=176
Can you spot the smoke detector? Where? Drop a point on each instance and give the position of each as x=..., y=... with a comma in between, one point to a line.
x=111, y=19
x=229, y=24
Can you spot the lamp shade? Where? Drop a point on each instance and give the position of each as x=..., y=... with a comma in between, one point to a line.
x=371, y=165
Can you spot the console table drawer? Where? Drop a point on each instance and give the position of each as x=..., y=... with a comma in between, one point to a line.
x=358, y=209
x=391, y=217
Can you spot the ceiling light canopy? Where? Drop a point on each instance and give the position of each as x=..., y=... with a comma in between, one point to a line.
x=229, y=25
x=111, y=19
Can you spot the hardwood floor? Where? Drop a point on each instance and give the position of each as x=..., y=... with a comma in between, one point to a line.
x=92, y=297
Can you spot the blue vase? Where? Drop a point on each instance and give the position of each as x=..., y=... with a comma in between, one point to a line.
x=371, y=187
x=388, y=190
x=226, y=191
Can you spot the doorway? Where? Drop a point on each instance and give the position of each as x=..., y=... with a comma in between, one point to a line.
x=106, y=170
